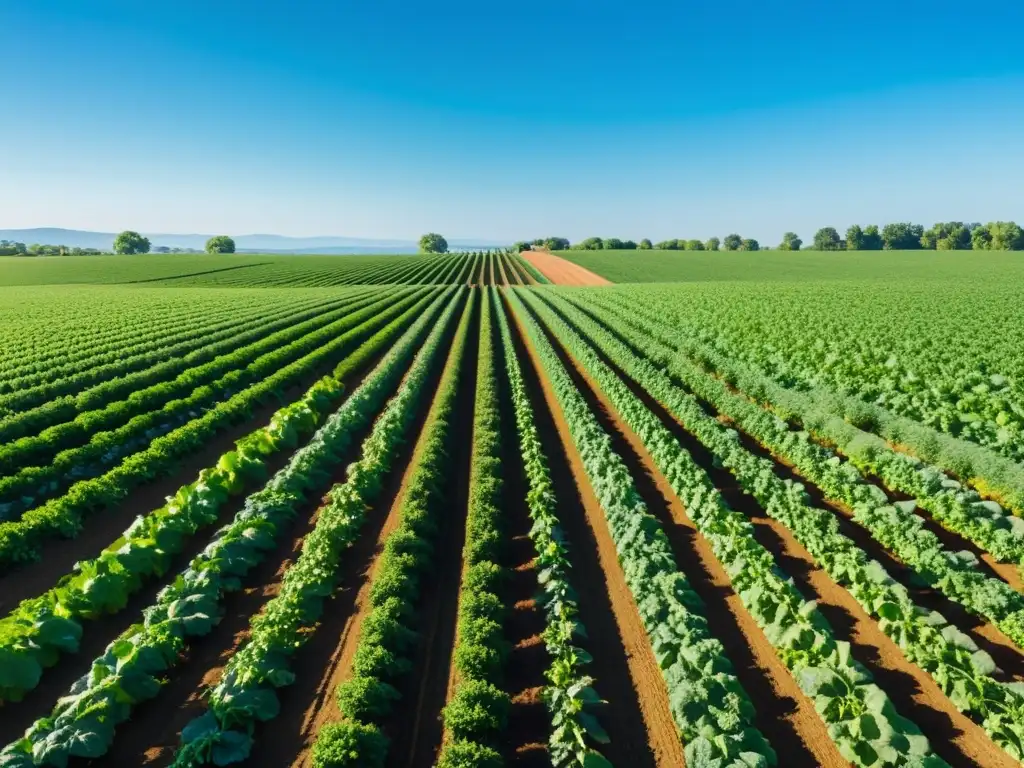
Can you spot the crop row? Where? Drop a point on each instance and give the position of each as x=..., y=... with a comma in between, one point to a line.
x=713, y=713
x=245, y=694
x=959, y=668
x=569, y=695
x=63, y=516
x=388, y=638
x=861, y=719
x=124, y=374
x=48, y=355
x=895, y=526
x=958, y=509
x=29, y=636
x=115, y=427
x=83, y=723
x=955, y=386
x=476, y=713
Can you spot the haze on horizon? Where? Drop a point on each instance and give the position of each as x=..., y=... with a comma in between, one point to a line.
x=390, y=119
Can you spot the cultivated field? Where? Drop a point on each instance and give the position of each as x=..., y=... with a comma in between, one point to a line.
x=399, y=511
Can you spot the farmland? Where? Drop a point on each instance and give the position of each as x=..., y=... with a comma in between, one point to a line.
x=731, y=509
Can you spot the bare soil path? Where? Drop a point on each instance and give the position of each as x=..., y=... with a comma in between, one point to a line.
x=562, y=271
x=637, y=717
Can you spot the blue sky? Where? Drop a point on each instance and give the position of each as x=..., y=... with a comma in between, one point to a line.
x=387, y=119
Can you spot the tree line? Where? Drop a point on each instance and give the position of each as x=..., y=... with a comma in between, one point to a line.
x=126, y=243
x=899, y=236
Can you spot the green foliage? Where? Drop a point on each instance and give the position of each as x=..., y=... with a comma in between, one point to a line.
x=477, y=708
x=462, y=753
x=433, y=243
x=790, y=242
x=129, y=242
x=827, y=239
x=730, y=243
x=220, y=244
x=556, y=243
x=749, y=244
x=645, y=245
x=902, y=236
x=349, y=744
x=712, y=244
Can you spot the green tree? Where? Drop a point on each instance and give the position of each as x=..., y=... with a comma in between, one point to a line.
x=731, y=243
x=855, y=238
x=981, y=238
x=628, y=245
x=826, y=239
x=947, y=236
x=645, y=245
x=556, y=243
x=1006, y=236
x=790, y=242
x=712, y=244
x=750, y=244
x=902, y=236
x=613, y=244
x=694, y=245
x=592, y=244
x=433, y=243
x=872, y=240
x=220, y=244
x=667, y=245
x=129, y=242
x=520, y=246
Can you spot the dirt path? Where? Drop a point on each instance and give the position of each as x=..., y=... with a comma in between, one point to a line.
x=529, y=725
x=415, y=727
x=562, y=271
x=784, y=715
x=953, y=735
x=637, y=717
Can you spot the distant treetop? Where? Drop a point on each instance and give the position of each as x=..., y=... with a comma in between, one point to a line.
x=433, y=243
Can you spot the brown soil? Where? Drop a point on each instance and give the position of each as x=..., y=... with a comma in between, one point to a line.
x=156, y=725
x=326, y=660
x=525, y=739
x=415, y=727
x=785, y=716
x=1005, y=653
x=637, y=716
x=562, y=271
x=953, y=735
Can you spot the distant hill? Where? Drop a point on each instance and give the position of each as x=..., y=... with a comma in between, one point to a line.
x=326, y=245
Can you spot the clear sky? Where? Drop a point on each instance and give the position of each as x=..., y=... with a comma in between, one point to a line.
x=377, y=118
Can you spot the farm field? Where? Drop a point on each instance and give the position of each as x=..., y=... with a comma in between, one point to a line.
x=407, y=511
x=798, y=266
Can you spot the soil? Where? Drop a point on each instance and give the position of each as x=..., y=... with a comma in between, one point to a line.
x=326, y=661
x=1006, y=654
x=785, y=716
x=637, y=717
x=953, y=735
x=525, y=739
x=156, y=724
x=415, y=727
x=562, y=271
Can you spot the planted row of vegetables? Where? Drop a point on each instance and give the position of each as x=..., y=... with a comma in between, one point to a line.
x=39, y=355
x=712, y=712
x=127, y=372
x=861, y=719
x=569, y=695
x=388, y=639
x=34, y=436
x=986, y=469
x=955, y=507
x=20, y=540
x=83, y=723
x=952, y=659
x=103, y=448
x=476, y=714
x=245, y=695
